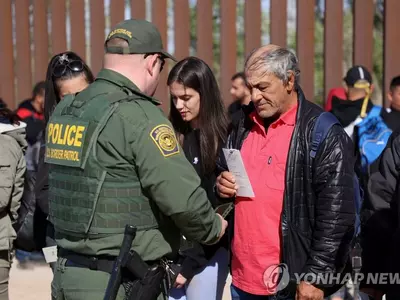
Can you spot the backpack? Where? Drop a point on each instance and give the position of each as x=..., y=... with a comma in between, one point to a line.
x=323, y=124
x=372, y=137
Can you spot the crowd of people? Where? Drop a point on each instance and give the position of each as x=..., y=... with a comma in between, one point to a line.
x=88, y=155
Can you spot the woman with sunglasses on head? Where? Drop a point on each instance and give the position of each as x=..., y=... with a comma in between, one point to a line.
x=67, y=73
x=200, y=121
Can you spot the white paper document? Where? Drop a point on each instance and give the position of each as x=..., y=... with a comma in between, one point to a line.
x=50, y=254
x=236, y=167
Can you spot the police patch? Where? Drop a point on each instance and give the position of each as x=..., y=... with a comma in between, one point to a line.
x=164, y=137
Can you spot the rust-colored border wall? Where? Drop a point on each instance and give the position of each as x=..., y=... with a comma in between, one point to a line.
x=7, y=91
x=391, y=64
x=305, y=45
x=77, y=17
x=278, y=17
x=97, y=36
x=40, y=39
x=117, y=11
x=23, y=62
x=228, y=47
x=58, y=28
x=182, y=28
x=363, y=32
x=252, y=19
x=159, y=18
x=19, y=75
x=138, y=9
x=333, y=45
x=205, y=31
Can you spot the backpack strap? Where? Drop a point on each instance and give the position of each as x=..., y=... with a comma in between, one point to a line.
x=323, y=124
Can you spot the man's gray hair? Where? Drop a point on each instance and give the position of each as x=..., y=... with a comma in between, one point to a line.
x=280, y=62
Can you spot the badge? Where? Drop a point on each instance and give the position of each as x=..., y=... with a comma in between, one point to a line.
x=164, y=137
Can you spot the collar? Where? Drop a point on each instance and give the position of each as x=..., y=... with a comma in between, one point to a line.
x=288, y=118
x=124, y=83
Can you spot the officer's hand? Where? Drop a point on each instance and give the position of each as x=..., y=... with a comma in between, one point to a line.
x=224, y=225
x=226, y=186
x=180, y=281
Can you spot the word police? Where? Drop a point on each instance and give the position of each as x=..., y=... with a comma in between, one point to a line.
x=71, y=135
x=64, y=142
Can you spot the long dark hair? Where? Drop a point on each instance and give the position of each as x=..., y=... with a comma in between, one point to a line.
x=194, y=73
x=7, y=115
x=52, y=90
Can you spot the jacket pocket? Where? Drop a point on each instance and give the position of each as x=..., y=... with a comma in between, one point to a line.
x=5, y=175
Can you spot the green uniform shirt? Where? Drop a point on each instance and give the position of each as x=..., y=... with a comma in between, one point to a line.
x=137, y=137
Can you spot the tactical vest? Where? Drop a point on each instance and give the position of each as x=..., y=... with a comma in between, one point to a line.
x=85, y=198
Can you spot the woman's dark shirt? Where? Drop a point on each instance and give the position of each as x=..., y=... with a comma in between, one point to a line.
x=197, y=257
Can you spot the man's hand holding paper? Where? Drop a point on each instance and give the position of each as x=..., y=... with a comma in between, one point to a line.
x=235, y=182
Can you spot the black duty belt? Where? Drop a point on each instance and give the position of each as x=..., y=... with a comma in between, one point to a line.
x=102, y=263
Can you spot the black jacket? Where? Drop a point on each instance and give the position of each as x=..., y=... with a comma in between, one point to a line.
x=381, y=215
x=318, y=208
x=193, y=259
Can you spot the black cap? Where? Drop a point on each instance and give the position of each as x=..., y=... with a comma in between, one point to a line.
x=357, y=74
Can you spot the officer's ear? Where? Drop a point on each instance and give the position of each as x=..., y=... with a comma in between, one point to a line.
x=151, y=63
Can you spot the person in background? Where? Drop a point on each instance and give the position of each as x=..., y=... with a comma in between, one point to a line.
x=391, y=115
x=2, y=103
x=67, y=73
x=30, y=112
x=379, y=232
x=12, y=173
x=339, y=93
x=381, y=226
x=357, y=103
x=302, y=213
x=240, y=94
x=199, y=119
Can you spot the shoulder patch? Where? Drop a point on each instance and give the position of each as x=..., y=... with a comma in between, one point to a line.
x=165, y=139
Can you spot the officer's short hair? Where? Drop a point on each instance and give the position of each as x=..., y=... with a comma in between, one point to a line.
x=117, y=42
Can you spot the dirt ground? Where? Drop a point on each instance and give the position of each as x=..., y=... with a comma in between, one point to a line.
x=33, y=283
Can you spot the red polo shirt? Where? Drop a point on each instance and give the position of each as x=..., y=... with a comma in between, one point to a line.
x=257, y=231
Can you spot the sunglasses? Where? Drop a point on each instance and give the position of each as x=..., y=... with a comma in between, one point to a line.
x=62, y=67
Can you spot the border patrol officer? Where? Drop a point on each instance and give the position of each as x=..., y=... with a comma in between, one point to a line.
x=114, y=160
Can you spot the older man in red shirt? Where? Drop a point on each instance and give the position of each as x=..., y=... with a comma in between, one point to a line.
x=303, y=209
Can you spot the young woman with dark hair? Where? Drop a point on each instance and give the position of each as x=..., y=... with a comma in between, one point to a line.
x=67, y=73
x=201, y=123
x=12, y=177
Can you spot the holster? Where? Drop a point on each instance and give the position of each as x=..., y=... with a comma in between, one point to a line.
x=147, y=288
x=145, y=282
